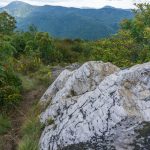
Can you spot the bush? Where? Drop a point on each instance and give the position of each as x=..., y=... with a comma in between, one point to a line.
x=27, y=64
x=10, y=89
x=18, y=42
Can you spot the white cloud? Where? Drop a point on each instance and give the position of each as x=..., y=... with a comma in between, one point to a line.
x=81, y=3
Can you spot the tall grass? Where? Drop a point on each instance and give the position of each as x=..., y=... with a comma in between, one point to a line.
x=5, y=124
x=31, y=130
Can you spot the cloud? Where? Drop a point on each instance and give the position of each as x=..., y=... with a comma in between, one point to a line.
x=81, y=3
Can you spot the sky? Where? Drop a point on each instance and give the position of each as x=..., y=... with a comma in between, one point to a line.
x=81, y=3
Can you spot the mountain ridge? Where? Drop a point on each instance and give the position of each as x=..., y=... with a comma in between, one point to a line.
x=68, y=22
x=25, y=3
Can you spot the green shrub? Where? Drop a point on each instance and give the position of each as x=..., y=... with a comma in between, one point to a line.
x=10, y=89
x=27, y=64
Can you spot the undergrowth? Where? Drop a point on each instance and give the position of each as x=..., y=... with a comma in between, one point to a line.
x=31, y=130
x=5, y=124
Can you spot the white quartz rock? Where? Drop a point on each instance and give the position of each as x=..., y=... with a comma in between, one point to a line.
x=90, y=103
x=70, y=84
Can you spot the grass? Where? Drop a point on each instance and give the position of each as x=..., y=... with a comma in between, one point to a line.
x=31, y=130
x=145, y=131
x=28, y=144
x=5, y=124
x=50, y=121
x=28, y=83
x=40, y=77
x=43, y=75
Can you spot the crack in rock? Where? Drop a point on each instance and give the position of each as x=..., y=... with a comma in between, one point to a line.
x=97, y=106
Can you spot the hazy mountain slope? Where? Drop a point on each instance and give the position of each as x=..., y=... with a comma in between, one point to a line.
x=69, y=22
x=18, y=9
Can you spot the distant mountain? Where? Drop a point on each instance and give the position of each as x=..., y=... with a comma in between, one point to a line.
x=18, y=9
x=65, y=22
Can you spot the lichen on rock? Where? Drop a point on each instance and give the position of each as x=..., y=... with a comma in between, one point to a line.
x=96, y=106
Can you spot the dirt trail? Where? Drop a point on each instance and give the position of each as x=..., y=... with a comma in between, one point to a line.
x=19, y=115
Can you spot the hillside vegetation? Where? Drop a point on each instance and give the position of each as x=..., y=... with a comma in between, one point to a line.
x=26, y=57
x=71, y=23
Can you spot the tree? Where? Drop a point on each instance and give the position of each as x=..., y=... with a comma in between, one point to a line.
x=48, y=53
x=33, y=29
x=19, y=43
x=139, y=26
x=7, y=23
